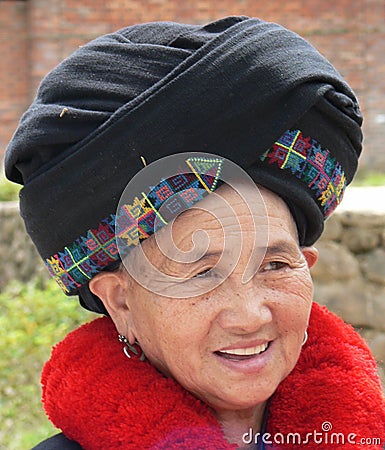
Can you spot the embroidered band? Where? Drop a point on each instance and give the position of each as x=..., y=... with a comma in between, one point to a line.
x=99, y=247
x=313, y=165
x=302, y=156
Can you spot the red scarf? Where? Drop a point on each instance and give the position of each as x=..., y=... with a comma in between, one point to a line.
x=103, y=400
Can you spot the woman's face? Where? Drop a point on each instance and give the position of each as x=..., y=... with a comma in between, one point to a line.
x=233, y=345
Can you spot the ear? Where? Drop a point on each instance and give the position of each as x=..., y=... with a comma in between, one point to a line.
x=311, y=255
x=112, y=288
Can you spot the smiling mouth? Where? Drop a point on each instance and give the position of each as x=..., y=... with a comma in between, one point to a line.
x=240, y=354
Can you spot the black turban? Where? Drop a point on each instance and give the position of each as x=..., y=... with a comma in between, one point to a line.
x=239, y=88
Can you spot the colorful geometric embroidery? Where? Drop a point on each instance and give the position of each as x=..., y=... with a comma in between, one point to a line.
x=313, y=165
x=303, y=156
x=76, y=264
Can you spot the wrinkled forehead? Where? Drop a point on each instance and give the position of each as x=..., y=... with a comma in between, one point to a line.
x=234, y=215
x=241, y=202
x=230, y=229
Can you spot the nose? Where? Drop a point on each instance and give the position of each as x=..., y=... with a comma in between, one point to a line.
x=245, y=309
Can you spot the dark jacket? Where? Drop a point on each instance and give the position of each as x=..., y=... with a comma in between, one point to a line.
x=58, y=442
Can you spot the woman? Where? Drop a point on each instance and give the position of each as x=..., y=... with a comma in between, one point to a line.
x=222, y=344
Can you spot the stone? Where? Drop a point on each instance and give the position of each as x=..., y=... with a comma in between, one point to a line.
x=381, y=373
x=373, y=266
x=348, y=300
x=362, y=220
x=376, y=307
x=368, y=334
x=361, y=240
x=335, y=262
x=21, y=261
x=377, y=346
x=376, y=343
x=333, y=229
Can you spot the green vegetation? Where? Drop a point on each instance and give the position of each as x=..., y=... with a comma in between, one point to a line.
x=365, y=178
x=32, y=319
x=8, y=191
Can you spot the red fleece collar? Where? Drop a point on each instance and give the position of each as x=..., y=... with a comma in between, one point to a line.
x=103, y=400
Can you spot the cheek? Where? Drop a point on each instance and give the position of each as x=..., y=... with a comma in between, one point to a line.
x=168, y=330
x=294, y=292
x=291, y=310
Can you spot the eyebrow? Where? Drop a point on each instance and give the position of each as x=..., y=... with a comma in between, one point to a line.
x=282, y=247
x=207, y=256
x=279, y=247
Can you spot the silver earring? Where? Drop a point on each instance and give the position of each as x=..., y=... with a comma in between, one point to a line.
x=130, y=348
x=305, y=337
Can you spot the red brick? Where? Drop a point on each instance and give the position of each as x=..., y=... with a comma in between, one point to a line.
x=36, y=35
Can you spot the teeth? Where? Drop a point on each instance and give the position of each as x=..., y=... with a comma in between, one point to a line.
x=246, y=351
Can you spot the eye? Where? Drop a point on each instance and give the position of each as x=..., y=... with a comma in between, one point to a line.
x=273, y=265
x=204, y=273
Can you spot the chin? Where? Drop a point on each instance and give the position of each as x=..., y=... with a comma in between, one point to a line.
x=241, y=400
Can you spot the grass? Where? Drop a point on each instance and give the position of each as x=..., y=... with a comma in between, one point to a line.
x=366, y=178
x=32, y=319
x=8, y=191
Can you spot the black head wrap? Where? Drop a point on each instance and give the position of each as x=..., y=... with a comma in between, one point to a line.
x=234, y=87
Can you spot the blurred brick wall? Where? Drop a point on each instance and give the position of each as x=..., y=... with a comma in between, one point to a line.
x=14, y=67
x=36, y=34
